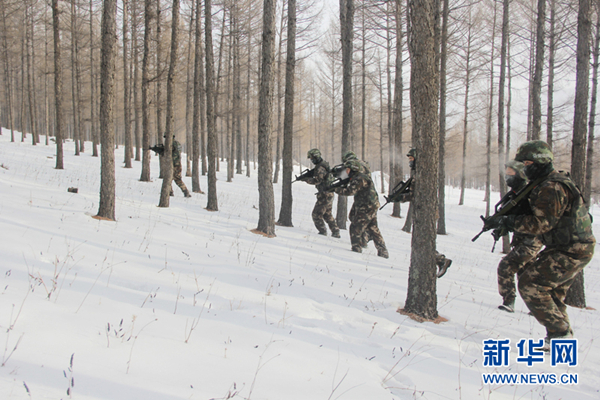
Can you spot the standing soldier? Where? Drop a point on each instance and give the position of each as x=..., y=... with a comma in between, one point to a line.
x=363, y=215
x=322, y=211
x=441, y=261
x=561, y=220
x=524, y=247
x=176, y=155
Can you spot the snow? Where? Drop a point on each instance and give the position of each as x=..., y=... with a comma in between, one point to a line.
x=183, y=303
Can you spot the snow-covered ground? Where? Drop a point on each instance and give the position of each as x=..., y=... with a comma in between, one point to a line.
x=182, y=303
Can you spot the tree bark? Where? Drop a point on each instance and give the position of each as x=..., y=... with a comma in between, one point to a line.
x=149, y=15
x=212, y=204
x=285, y=213
x=536, y=106
x=126, y=89
x=592, y=122
x=58, y=91
x=421, y=298
x=106, y=207
x=199, y=105
x=441, y=222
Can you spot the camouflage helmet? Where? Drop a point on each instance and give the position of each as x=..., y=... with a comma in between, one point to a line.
x=537, y=151
x=412, y=153
x=349, y=155
x=313, y=153
x=354, y=165
x=518, y=167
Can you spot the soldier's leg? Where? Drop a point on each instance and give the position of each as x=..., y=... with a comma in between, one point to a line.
x=317, y=215
x=543, y=285
x=442, y=263
x=328, y=216
x=357, y=227
x=374, y=233
x=178, y=180
x=521, y=253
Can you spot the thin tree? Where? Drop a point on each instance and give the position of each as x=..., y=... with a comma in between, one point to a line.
x=169, y=126
x=501, y=86
x=136, y=81
x=94, y=131
x=576, y=294
x=488, y=143
x=75, y=90
x=467, y=58
x=421, y=298
x=198, y=113
x=149, y=15
x=106, y=208
x=266, y=219
x=552, y=44
x=58, y=91
x=347, y=34
x=212, y=204
x=285, y=212
x=126, y=89
x=7, y=73
x=536, y=106
x=441, y=222
x=592, y=123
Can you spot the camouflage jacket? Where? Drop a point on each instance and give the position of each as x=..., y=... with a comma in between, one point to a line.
x=559, y=214
x=365, y=167
x=361, y=186
x=176, y=152
x=320, y=177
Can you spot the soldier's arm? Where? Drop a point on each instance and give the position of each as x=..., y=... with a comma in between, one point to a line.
x=548, y=204
x=353, y=187
x=318, y=176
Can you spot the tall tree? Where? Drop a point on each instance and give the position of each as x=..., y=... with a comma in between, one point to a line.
x=592, y=123
x=347, y=35
x=441, y=222
x=536, y=106
x=576, y=294
x=94, y=130
x=421, y=298
x=552, y=44
x=285, y=213
x=211, y=145
x=128, y=153
x=136, y=81
x=169, y=126
x=106, y=208
x=149, y=15
x=58, y=91
x=75, y=89
x=501, y=86
x=199, y=99
x=266, y=219
x=7, y=72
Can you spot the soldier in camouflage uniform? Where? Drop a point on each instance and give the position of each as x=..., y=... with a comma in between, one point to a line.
x=365, y=169
x=441, y=261
x=524, y=247
x=561, y=220
x=363, y=215
x=176, y=154
x=322, y=211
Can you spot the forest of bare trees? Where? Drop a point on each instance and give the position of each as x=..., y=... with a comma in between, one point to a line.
x=252, y=85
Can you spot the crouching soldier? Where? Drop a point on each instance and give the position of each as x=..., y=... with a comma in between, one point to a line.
x=441, y=261
x=363, y=215
x=321, y=213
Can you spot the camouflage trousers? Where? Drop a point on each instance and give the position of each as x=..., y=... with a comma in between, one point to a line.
x=524, y=248
x=321, y=213
x=544, y=283
x=177, y=178
x=363, y=220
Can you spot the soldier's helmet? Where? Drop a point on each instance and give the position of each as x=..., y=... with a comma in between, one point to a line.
x=412, y=153
x=537, y=151
x=349, y=155
x=314, y=154
x=518, y=167
x=354, y=165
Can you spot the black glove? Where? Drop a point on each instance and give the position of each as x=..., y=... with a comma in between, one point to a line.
x=502, y=222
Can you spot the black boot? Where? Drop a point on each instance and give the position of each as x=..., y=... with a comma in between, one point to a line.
x=507, y=305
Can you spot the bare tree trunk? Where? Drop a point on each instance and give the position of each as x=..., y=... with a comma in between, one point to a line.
x=280, y=95
x=31, y=78
x=576, y=294
x=421, y=298
x=536, y=109
x=463, y=175
x=398, y=97
x=488, y=175
x=149, y=15
x=248, y=80
x=198, y=97
x=74, y=91
x=592, y=123
x=441, y=222
x=347, y=34
x=285, y=213
x=266, y=219
x=7, y=75
x=169, y=126
x=106, y=208
x=94, y=131
x=136, y=79
x=501, y=85
x=189, y=93
x=551, y=52
x=212, y=204
x=58, y=94
x=237, y=92
x=126, y=89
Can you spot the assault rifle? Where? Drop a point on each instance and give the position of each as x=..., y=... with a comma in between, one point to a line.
x=337, y=182
x=508, y=203
x=398, y=190
x=306, y=174
x=159, y=149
